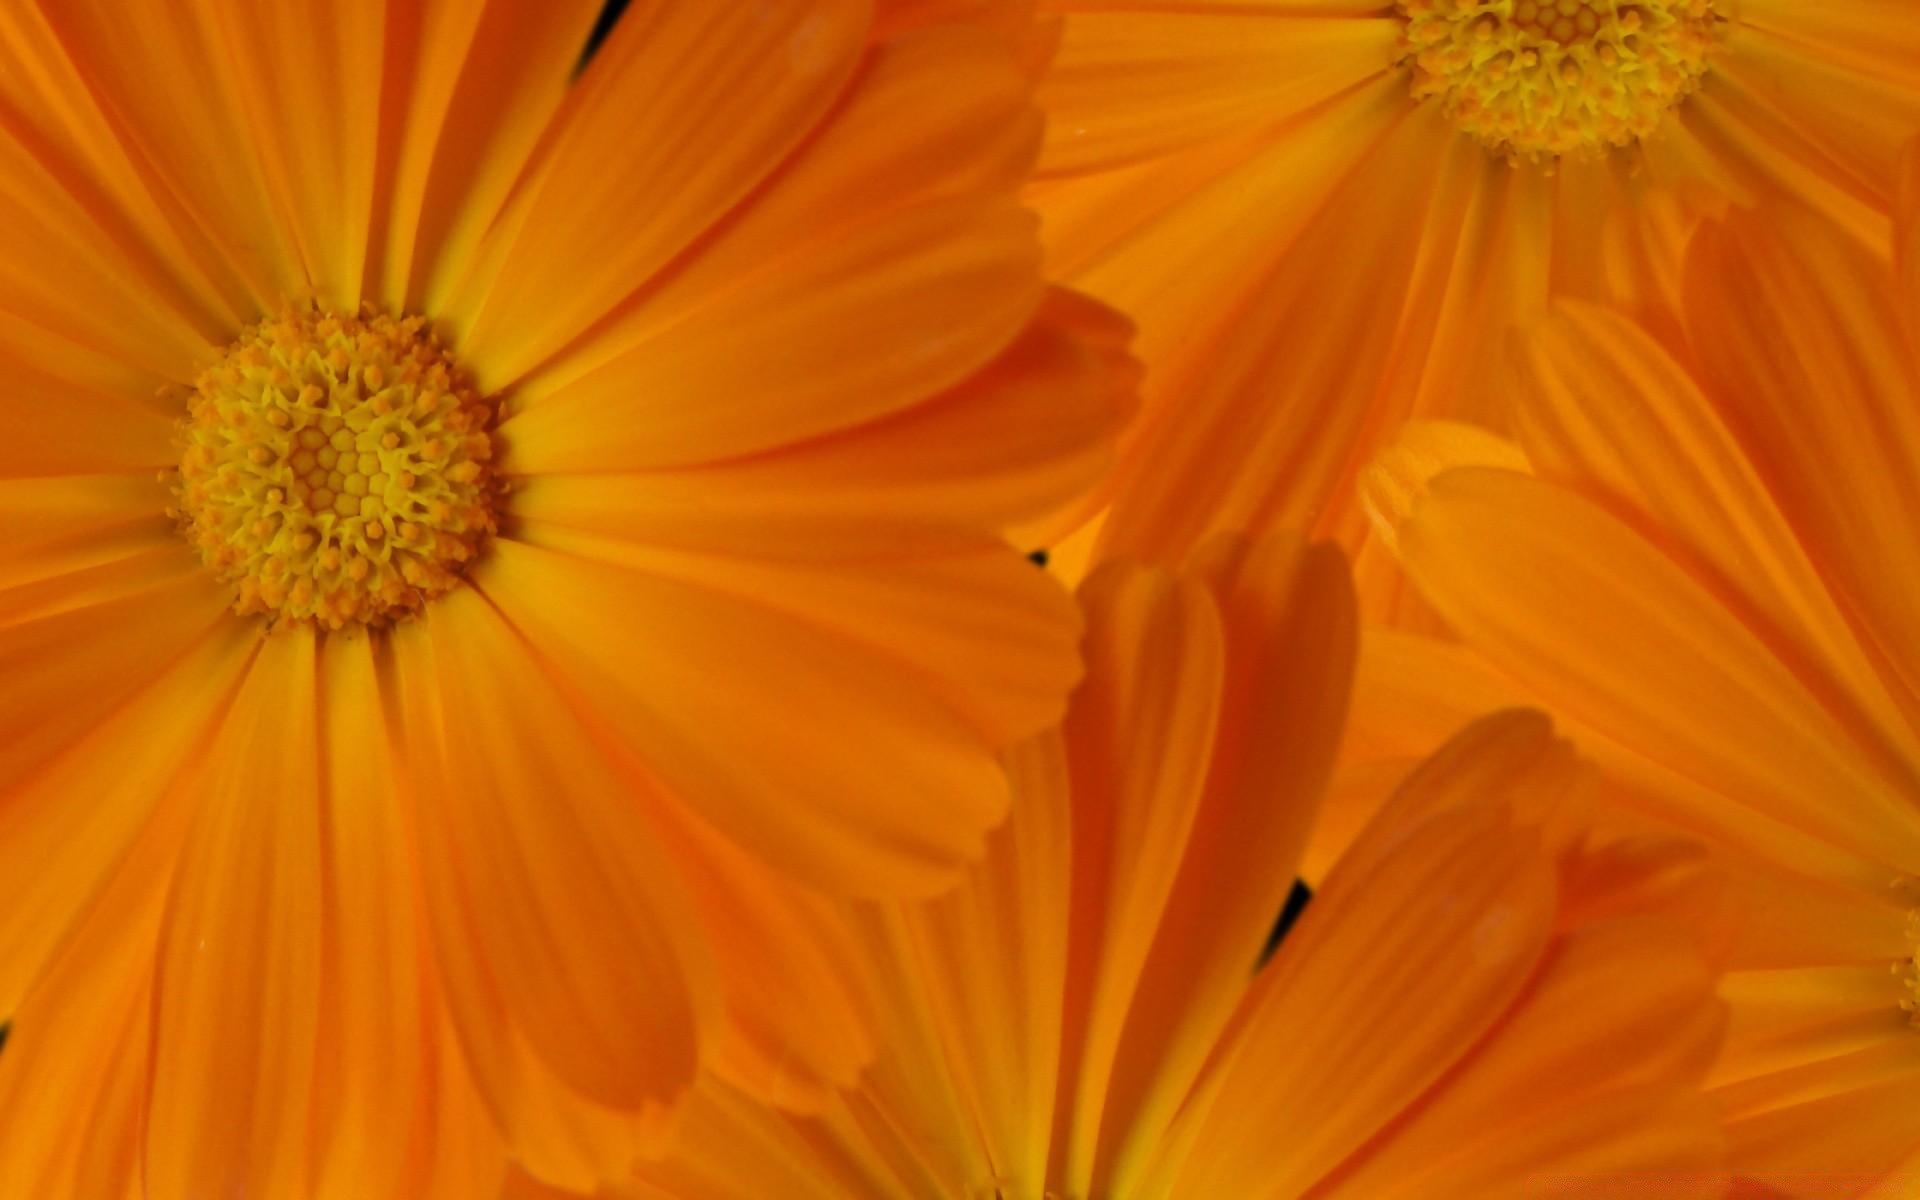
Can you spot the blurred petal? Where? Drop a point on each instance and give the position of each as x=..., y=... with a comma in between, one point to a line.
x=1485, y=897
x=1784, y=308
x=1595, y=621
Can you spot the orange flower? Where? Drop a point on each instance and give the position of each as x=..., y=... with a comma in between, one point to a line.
x=1474, y=994
x=1711, y=574
x=1328, y=215
x=566, y=494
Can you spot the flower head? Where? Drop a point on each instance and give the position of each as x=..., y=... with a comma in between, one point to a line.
x=477, y=547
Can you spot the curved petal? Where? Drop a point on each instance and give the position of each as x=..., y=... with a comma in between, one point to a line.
x=968, y=619
x=1604, y=409
x=892, y=313
x=1596, y=1070
x=799, y=1026
x=1795, y=1017
x=543, y=870
x=105, y=208
x=1355, y=965
x=1290, y=624
x=971, y=986
x=726, y=699
x=1264, y=432
x=1139, y=736
x=1023, y=437
x=1599, y=624
x=77, y=285
x=686, y=109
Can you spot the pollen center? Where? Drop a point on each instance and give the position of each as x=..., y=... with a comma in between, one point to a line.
x=1540, y=78
x=334, y=469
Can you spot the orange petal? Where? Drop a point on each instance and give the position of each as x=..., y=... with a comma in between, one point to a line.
x=970, y=986
x=1355, y=966
x=570, y=905
x=66, y=826
x=1596, y=1070
x=1027, y=434
x=80, y=644
x=798, y=1025
x=725, y=698
x=1598, y=623
x=1605, y=409
x=887, y=315
x=1906, y=237
x=1290, y=622
x=1511, y=757
x=393, y=1110
x=1261, y=432
x=156, y=292
x=976, y=626
x=624, y=186
x=1140, y=735
x=546, y=1121
x=1786, y=307
x=1851, y=1114
x=56, y=427
x=1752, y=146
x=471, y=88
x=53, y=526
x=1128, y=85
x=74, y=1077
x=271, y=141
x=1843, y=74
x=236, y=995
x=1798, y=1017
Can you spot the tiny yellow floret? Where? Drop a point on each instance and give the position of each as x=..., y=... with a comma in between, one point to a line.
x=336, y=469
x=1537, y=79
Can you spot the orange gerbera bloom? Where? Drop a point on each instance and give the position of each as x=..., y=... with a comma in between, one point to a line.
x=1474, y=995
x=1327, y=215
x=565, y=494
x=1713, y=573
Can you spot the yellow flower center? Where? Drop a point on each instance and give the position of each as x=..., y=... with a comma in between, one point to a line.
x=1542, y=78
x=335, y=468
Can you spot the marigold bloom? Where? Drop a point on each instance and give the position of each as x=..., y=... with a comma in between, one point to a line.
x=1327, y=215
x=1476, y=993
x=456, y=522
x=1711, y=572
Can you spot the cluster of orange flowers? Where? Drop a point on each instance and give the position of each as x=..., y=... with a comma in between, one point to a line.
x=959, y=599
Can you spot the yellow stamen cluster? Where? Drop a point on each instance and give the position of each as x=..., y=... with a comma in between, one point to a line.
x=335, y=469
x=1541, y=78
